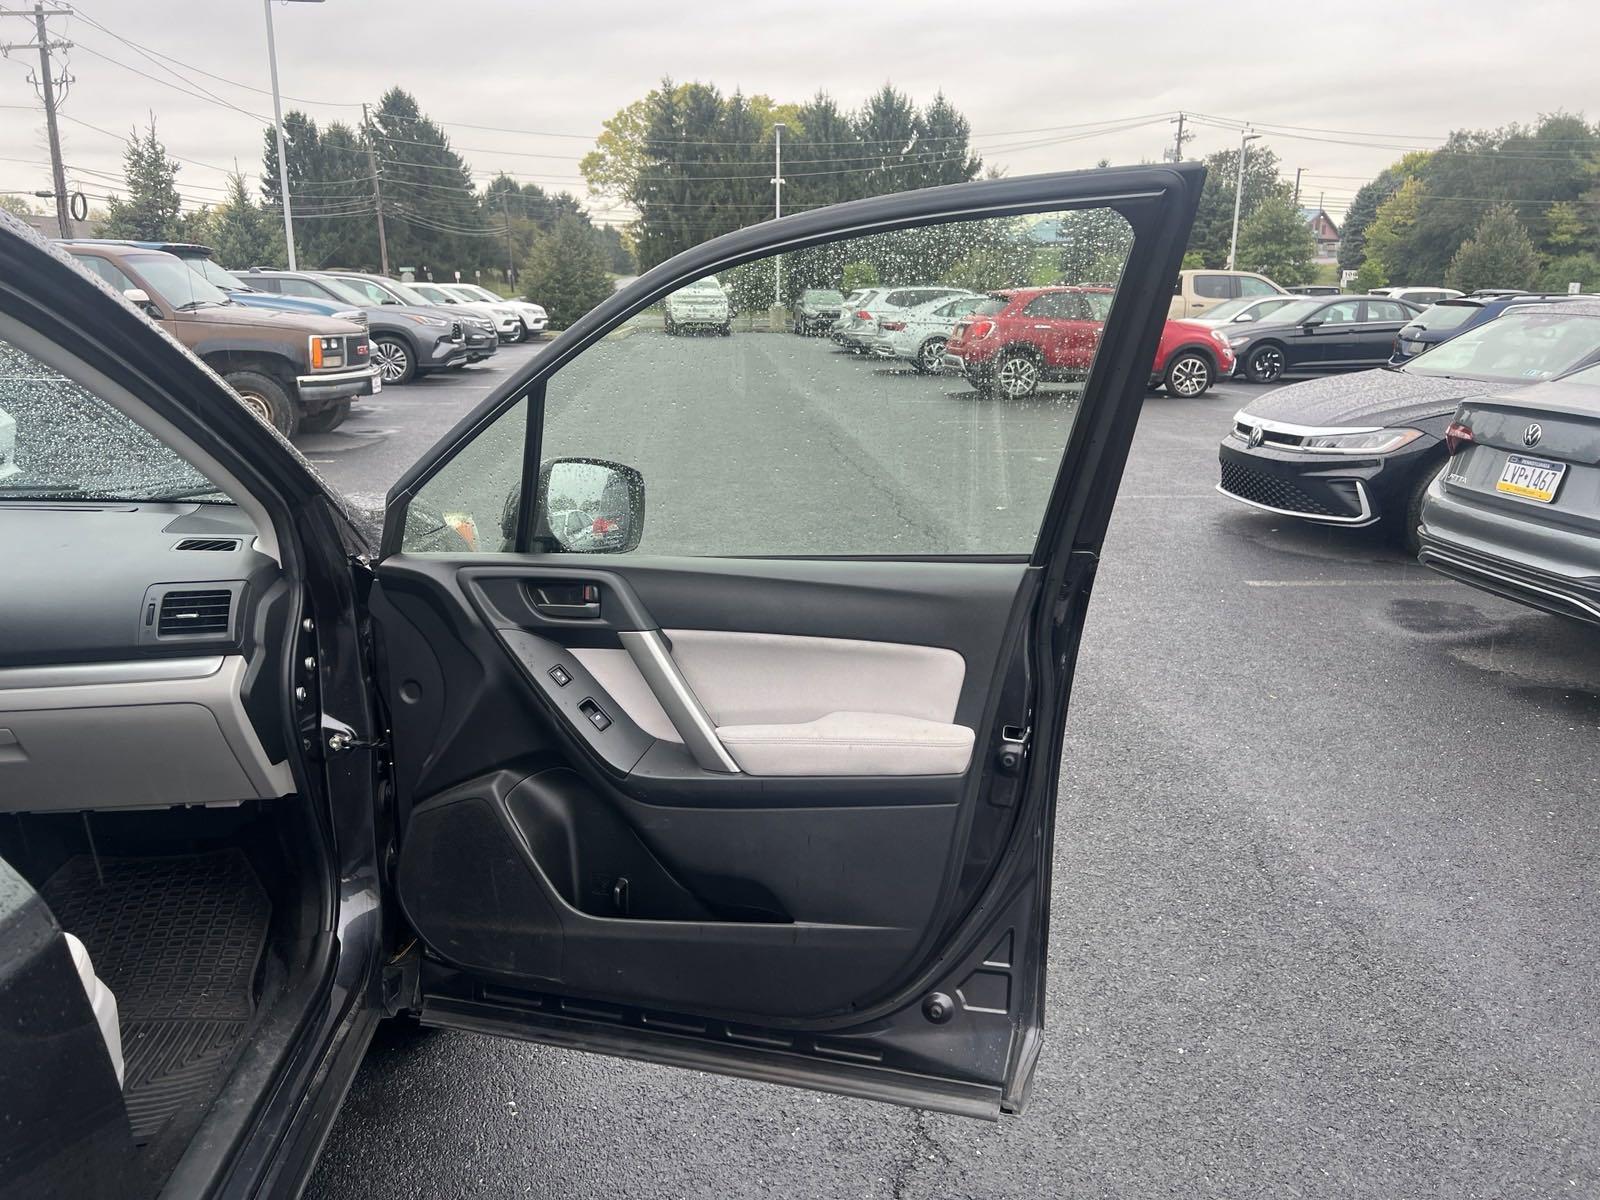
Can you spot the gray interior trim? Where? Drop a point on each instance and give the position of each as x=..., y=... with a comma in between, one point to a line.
x=82, y=674
x=649, y=653
x=614, y=671
x=132, y=741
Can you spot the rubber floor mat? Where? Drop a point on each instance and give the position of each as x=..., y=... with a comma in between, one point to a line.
x=177, y=940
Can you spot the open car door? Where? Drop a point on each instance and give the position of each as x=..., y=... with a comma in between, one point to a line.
x=726, y=675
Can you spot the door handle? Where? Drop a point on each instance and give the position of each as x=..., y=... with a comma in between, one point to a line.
x=570, y=601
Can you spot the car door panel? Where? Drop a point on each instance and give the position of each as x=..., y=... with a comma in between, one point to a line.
x=783, y=816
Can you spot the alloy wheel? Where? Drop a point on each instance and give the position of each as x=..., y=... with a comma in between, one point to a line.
x=1018, y=377
x=1190, y=376
x=1268, y=364
x=391, y=359
x=932, y=355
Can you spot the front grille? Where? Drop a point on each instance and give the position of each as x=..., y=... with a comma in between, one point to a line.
x=1269, y=437
x=356, y=350
x=1260, y=488
x=455, y=331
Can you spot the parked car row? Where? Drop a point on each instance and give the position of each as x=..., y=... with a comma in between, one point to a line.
x=1011, y=341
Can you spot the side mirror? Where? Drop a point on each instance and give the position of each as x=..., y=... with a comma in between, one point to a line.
x=1308, y=326
x=1244, y=318
x=142, y=298
x=588, y=506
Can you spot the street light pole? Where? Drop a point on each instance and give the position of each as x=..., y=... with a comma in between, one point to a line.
x=1245, y=138
x=777, y=207
x=283, y=154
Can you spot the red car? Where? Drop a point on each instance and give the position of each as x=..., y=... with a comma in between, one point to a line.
x=1022, y=337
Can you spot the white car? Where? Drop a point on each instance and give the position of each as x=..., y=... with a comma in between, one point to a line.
x=702, y=303
x=918, y=334
x=887, y=304
x=533, y=316
x=1421, y=296
x=507, y=324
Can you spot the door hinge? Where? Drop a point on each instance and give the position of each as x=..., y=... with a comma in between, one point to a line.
x=1012, y=753
x=1081, y=565
x=340, y=741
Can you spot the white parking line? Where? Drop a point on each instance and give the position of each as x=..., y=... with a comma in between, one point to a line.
x=1373, y=583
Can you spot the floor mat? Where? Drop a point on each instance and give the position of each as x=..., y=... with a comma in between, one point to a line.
x=177, y=940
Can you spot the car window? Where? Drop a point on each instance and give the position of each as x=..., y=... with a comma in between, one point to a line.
x=107, y=270
x=958, y=308
x=169, y=278
x=209, y=270
x=1516, y=347
x=299, y=287
x=1346, y=312
x=1212, y=287
x=339, y=289
x=266, y=283
x=1250, y=286
x=1386, y=310
x=1446, y=316
x=60, y=441
x=859, y=474
x=1057, y=305
x=372, y=292
x=1094, y=306
x=991, y=306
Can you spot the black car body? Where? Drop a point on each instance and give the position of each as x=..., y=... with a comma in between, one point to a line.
x=407, y=340
x=1440, y=322
x=1363, y=448
x=817, y=310
x=407, y=781
x=1320, y=335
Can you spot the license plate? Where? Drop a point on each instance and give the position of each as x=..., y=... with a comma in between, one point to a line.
x=377, y=384
x=1531, y=478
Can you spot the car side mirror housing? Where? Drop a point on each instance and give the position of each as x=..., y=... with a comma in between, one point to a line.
x=142, y=298
x=1244, y=318
x=1308, y=326
x=588, y=506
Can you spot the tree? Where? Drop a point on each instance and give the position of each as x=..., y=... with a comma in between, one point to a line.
x=1277, y=242
x=1582, y=269
x=17, y=206
x=1566, y=229
x=1213, y=222
x=1498, y=254
x=858, y=275
x=1389, y=235
x=1370, y=275
x=241, y=232
x=566, y=271
x=151, y=211
x=1365, y=203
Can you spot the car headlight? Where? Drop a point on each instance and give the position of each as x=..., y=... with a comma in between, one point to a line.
x=430, y=322
x=1377, y=441
x=1236, y=342
x=1219, y=337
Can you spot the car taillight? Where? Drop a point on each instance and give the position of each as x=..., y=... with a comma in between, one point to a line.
x=981, y=328
x=1458, y=437
x=863, y=315
x=892, y=326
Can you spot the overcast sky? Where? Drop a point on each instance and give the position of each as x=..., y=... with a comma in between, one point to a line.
x=1363, y=83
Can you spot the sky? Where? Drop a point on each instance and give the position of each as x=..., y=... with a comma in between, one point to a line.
x=1338, y=90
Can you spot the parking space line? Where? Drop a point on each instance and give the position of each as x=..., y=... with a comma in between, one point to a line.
x=1373, y=583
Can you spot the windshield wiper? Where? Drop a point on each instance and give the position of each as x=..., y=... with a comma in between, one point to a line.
x=209, y=489
x=192, y=304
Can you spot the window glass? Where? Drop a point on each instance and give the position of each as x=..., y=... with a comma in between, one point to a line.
x=859, y=470
x=302, y=287
x=1385, y=310
x=474, y=496
x=60, y=441
x=1446, y=316
x=1344, y=313
x=1212, y=287
x=992, y=306
x=1055, y=305
x=1516, y=347
x=371, y=291
x=1250, y=286
x=107, y=270
x=169, y=278
x=342, y=289
x=266, y=283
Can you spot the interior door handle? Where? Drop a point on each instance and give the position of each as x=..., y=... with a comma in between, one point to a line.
x=571, y=601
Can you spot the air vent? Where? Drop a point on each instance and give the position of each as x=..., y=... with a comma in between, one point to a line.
x=195, y=614
x=208, y=544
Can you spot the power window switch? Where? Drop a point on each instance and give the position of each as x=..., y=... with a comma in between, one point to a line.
x=560, y=675
x=595, y=714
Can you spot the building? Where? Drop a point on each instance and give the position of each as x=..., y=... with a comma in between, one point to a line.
x=1326, y=232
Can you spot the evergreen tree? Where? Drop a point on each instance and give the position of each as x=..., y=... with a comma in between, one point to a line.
x=431, y=211
x=943, y=145
x=886, y=129
x=1213, y=222
x=566, y=271
x=151, y=211
x=241, y=232
x=1277, y=243
x=1498, y=254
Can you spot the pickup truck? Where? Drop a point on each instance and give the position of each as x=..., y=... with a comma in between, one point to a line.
x=299, y=372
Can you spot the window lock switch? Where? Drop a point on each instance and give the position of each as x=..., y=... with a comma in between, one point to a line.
x=595, y=714
x=561, y=676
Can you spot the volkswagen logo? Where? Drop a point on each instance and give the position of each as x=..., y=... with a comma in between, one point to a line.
x=1532, y=434
x=1257, y=433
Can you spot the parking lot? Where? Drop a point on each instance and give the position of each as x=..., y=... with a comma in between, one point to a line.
x=1322, y=920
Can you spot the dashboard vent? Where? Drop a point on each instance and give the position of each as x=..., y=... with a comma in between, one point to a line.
x=208, y=544
x=195, y=614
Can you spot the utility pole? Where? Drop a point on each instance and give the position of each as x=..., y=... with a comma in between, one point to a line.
x=47, y=90
x=777, y=208
x=511, y=254
x=377, y=189
x=1245, y=138
x=1297, y=172
x=1177, y=145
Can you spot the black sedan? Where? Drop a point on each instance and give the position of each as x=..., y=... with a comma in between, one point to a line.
x=1364, y=448
x=1319, y=335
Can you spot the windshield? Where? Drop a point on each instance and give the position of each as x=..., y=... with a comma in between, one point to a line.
x=59, y=441
x=1296, y=311
x=474, y=292
x=406, y=293
x=208, y=270
x=427, y=293
x=816, y=297
x=345, y=292
x=1517, y=347
x=170, y=279
x=1228, y=309
x=1445, y=316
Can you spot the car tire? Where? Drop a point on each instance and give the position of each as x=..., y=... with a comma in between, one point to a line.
x=1188, y=375
x=521, y=335
x=670, y=329
x=328, y=419
x=930, y=357
x=1015, y=376
x=267, y=398
x=725, y=331
x=1265, y=364
x=394, y=360
x=1412, y=515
